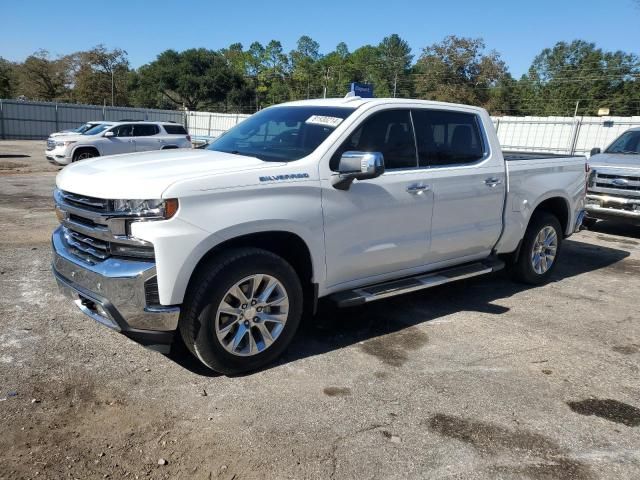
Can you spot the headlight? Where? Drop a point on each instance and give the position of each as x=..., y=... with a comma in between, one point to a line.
x=66, y=143
x=164, y=209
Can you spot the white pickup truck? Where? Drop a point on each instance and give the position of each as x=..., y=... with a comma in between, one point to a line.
x=352, y=200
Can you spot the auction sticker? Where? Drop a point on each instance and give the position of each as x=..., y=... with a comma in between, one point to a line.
x=325, y=121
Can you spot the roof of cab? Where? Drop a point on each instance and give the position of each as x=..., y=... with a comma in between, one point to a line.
x=356, y=102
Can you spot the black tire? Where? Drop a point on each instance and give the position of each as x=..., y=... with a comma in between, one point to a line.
x=208, y=289
x=522, y=269
x=84, y=154
x=589, y=222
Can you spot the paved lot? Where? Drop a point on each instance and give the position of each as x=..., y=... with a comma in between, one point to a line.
x=482, y=379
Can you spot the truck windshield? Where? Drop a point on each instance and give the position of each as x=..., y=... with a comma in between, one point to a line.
x=281, y=134
x=629, y=142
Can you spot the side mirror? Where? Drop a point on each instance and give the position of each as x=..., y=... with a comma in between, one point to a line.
x=358, y=166
x=109, y=134
x=595, y=151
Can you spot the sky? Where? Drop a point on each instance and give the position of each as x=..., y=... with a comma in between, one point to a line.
x=518, y=30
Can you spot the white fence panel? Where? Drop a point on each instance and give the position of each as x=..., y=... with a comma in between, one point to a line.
x=212, y=124
x=563, y=135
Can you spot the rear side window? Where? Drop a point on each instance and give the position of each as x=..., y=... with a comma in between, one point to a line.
x=145, y=130
x=447, y=138
x=388, y=132
x=175, y=129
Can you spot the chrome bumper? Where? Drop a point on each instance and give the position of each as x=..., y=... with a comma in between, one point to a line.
x=607, y=206
x=112, y=292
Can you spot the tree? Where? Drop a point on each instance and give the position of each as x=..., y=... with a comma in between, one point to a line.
x=304, y=60
x=194, y=78
x=579, y=73
x=459, y=70
x=7, y=79
x=43, y=78
x=101, y=75
x=395, y=58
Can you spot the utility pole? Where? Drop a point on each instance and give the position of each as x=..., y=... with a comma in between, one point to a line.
x=575, y=112
x=112, y=88
x=326, y=82
x=395, y=83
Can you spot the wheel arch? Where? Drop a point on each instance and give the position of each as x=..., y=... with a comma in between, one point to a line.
x=559, y=207
x=79, y=148
x=286, y=244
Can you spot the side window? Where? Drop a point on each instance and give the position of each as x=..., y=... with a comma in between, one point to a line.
x=447, y=138
x=123, y=131
x=388, y=132
x=144, y=130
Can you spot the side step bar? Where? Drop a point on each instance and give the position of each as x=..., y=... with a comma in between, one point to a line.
x=362, y=295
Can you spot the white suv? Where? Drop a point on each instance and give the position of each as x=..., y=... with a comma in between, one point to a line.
x=116, y=137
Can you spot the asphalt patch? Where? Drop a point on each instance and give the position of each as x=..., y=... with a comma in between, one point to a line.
x=393, y=349
x=337, y=391
x=609, y=409
x=516, y=452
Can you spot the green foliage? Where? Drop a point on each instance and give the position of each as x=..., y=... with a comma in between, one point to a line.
x=8, y=81
x=239, y=79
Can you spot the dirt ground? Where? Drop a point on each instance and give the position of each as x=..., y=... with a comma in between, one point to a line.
x=481, y=379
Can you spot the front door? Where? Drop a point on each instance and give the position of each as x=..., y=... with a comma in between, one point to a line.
x=378, y=227
x=121, y=142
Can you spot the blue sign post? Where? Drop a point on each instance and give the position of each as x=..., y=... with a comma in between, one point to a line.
x=364, y=90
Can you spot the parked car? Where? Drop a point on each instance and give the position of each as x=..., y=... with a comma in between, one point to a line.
x=79, y=130
x=351, y=200
x=116, y=137
x=613, y=190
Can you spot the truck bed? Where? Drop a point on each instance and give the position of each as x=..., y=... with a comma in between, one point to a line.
x=519, y=156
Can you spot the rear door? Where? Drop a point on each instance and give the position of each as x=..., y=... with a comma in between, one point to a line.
x=378, y=227
x=147, y=137
x=468, y=182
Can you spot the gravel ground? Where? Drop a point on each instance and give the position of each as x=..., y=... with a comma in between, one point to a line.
x=481, y=379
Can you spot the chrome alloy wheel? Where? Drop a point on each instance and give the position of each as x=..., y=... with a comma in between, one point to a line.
x=84, y=156
x=544, y=250
x=252, y=315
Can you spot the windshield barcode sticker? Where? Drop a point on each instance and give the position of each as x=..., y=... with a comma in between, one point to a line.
x=332, y=122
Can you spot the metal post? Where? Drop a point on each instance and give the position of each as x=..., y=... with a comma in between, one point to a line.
x=57, y=128
x=574, y=139
x=2, y=135
x=209, y=129
x=112, y=89
x=575, y=112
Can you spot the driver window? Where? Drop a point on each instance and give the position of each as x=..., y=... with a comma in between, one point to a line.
x=388, y=132
x=123, y=131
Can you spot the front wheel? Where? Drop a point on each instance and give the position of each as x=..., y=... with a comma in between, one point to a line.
x=539, y=251
x=243, y=310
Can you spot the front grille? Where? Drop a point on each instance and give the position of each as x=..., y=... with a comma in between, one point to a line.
x=87, y=247
x=615, y=183
x=51, y=144
x=83, y=201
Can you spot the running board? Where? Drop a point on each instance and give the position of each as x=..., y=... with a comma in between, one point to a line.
x=360, y=296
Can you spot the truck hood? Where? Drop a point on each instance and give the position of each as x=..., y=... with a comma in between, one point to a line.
x=615, y=160
x=147, y=175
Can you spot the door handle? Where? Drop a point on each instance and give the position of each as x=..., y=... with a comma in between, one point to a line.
x=417, y=188
x=492, y=181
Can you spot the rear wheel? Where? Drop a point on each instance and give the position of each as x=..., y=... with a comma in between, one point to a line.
x=244, y=308
x=539, y=251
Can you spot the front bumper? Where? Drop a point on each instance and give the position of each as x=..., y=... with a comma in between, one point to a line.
x=605, y=207
x=112, y=292
x=57, y=156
